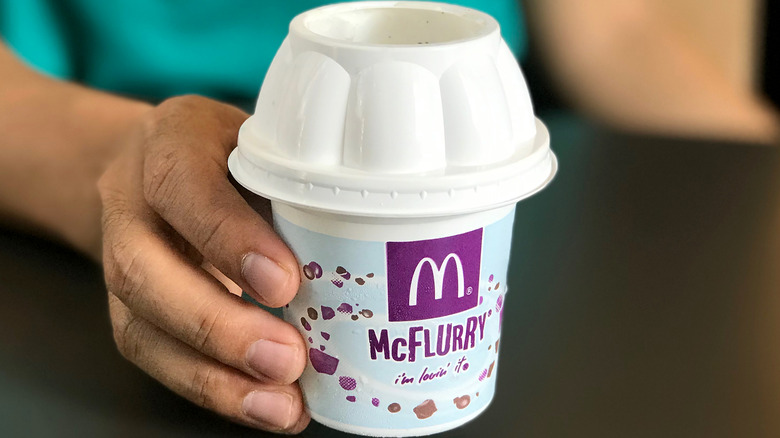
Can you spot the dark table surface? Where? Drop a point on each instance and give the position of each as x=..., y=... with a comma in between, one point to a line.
x=645, y=302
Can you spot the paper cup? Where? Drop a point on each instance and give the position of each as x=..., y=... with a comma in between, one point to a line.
x=402, y=317
x=394, y=139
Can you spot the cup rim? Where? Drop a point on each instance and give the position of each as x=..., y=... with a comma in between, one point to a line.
x=301, y=25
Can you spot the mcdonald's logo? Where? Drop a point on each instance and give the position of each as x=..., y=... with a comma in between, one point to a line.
x=438, y=277
x=433, y=278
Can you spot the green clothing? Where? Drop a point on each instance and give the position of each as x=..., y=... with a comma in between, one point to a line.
x=158, y=48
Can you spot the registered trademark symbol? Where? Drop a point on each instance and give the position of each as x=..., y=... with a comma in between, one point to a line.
x=469, y=290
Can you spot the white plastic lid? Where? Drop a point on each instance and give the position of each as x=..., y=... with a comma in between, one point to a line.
x=394, y=109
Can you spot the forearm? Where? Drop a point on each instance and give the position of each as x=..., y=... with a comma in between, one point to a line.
x=627, y=64
x=57, y=139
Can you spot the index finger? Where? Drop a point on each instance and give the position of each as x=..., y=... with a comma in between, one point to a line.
x=185, y=181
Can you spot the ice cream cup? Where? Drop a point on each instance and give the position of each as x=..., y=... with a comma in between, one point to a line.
x=394, y=139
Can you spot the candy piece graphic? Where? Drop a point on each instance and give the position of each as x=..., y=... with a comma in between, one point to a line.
x=351, y=398
x=305, y=324
x=366, y=313
x=325, y=335
x=323, y=362
x=312, y=270
x=499, y=303
x=490, y=279
x=498, y=285
x=465, y=367
x=308, y=272
x=490, y=369
x=375, y=402
x=322, y=348
x=354, y=317
x=497, y=344
x=311, y=341
x=394, y=407
x=490, y=312
x=312, y=313
x=343, y=272
x=316, y=268
x=327, y=312
x=482, y=375
x=336, y=282
x=481, y=299
x=462, y=401
x=425, y=409
x=371, y=275
x=360, y=281
x=347, y=383
x=345, y=308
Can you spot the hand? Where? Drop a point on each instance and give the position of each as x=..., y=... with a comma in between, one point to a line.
x=168, y=211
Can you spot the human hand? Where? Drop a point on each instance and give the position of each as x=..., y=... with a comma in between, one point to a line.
x=168, y=210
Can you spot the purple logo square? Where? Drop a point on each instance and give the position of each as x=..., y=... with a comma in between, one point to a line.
x=433, y=278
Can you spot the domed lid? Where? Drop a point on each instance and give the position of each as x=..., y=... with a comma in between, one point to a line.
x=394, y=109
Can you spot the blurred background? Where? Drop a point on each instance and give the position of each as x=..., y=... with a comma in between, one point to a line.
x=692, y=68
x=645, y=289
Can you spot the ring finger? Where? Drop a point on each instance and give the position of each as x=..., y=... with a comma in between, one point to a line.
x=203, y=380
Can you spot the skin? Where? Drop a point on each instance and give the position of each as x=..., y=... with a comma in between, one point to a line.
x=658, y=67
x=145, y=189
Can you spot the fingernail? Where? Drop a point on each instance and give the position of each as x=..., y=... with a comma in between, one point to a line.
x=272, y=359
x=274, y=408
x=265, y=276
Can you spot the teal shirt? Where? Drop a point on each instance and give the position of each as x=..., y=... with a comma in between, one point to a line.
x=154, y=49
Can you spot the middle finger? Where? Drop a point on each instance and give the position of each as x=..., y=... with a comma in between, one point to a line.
x=156, y=281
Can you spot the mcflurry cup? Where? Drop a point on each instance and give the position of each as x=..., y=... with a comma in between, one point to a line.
x=394, y=139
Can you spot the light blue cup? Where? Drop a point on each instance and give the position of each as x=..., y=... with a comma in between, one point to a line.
x=394, y=139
